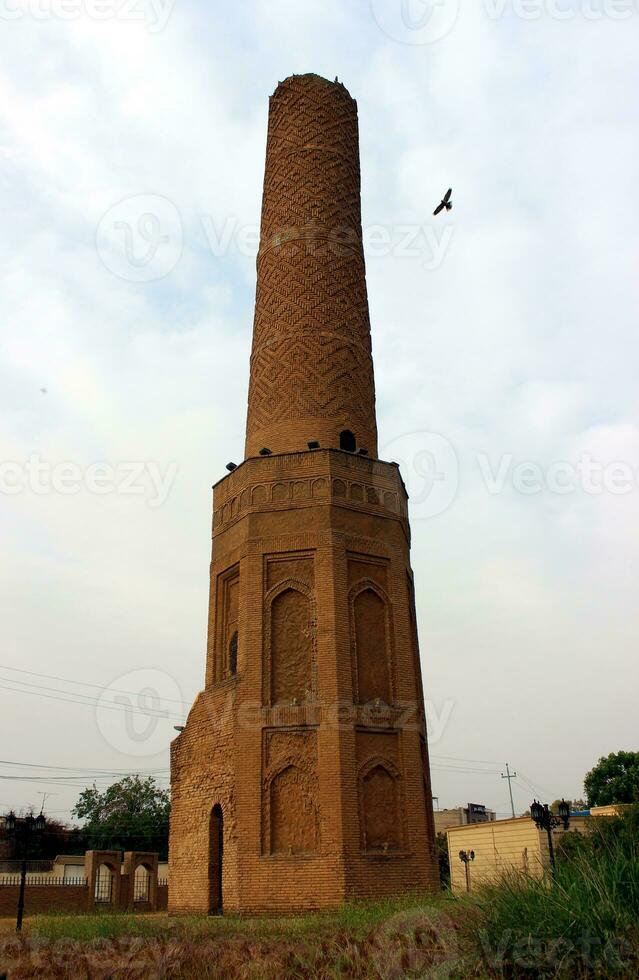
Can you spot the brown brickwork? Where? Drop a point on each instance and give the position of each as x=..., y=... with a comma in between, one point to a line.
x=43, y=899
x=311, y=366
x=87, y=893
x=302, y=772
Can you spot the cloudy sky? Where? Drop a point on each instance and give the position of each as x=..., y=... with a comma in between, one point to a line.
x=132, y=138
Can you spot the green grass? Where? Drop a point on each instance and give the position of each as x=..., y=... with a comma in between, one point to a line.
x=356, y=918
x=585, y=922
x=364, y=940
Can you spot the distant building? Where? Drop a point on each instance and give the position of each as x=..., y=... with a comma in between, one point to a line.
x=612, y=810
x=68, y=866
x=503, y=846
x=462, y=815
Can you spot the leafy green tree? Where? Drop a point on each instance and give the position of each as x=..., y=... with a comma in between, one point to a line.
x=130, y=815
x=603, y=836
x=569, y=846
x=615, y=779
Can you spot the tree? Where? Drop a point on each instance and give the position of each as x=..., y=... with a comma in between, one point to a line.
x=56, y=838
x=441, y=843
x=130, y=815
x=615, y=779
x=575, y=805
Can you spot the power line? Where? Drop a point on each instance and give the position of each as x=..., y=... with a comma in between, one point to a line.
x=69, y=680
x=88, y=699
x=90, y=703
x=73, y=777
x=488, y=762
x=463, y=770
x=104, y=781
x=165, y=769
x=534, y=788
x=87, y=769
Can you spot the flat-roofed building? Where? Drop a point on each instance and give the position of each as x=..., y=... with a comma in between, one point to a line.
x=499, y=847
x=460, y=815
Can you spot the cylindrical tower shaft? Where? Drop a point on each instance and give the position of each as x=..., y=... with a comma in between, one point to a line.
x=311, y=365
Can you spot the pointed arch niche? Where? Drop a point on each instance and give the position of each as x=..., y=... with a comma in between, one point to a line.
x=293, y=813
x=290, y=643
x=381, y=824
x=371, y=643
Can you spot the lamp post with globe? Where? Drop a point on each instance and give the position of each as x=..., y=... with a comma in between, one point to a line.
x=546, y=820
x=23, y=829
x=465, y=857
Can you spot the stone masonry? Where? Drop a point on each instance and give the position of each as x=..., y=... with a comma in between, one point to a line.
x=301, y=779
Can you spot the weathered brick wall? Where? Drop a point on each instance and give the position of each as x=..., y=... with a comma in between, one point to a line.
x=331, y=547
x=68, y=898
x=45, y=894
x=64, y=898
x=43, y=898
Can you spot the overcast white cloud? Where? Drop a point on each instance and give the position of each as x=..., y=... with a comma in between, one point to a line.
x=507, y=329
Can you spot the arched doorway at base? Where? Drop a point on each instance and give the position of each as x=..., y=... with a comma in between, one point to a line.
x=216, y=850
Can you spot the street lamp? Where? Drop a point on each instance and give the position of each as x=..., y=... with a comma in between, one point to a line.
x=564, y=813
x=22, y=830
x=545, y=819
x=465, y=857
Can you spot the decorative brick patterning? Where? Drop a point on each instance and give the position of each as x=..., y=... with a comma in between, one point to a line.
x=301, y=778
x=311, y=366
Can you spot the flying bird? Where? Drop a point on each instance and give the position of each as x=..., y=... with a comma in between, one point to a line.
x=43, y=390
x=445, y=202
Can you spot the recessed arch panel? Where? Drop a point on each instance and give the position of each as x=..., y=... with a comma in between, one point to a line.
x=291, y=646
x=293, y=813
x=380, y=810
x=370, y=624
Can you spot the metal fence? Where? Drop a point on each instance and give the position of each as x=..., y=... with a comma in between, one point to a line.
x=104, y=887
x=14, y=879
x=141, y=886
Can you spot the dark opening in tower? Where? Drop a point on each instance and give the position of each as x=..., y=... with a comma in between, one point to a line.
x=347, y=441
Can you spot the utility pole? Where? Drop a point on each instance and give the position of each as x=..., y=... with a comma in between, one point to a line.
x=509, y=776
x=44, y=799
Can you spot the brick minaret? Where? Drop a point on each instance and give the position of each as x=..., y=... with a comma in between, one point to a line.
x=311, y=366
x=301, y=778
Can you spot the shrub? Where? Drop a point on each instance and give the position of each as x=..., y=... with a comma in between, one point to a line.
x=582, y=922
x=441, y=845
